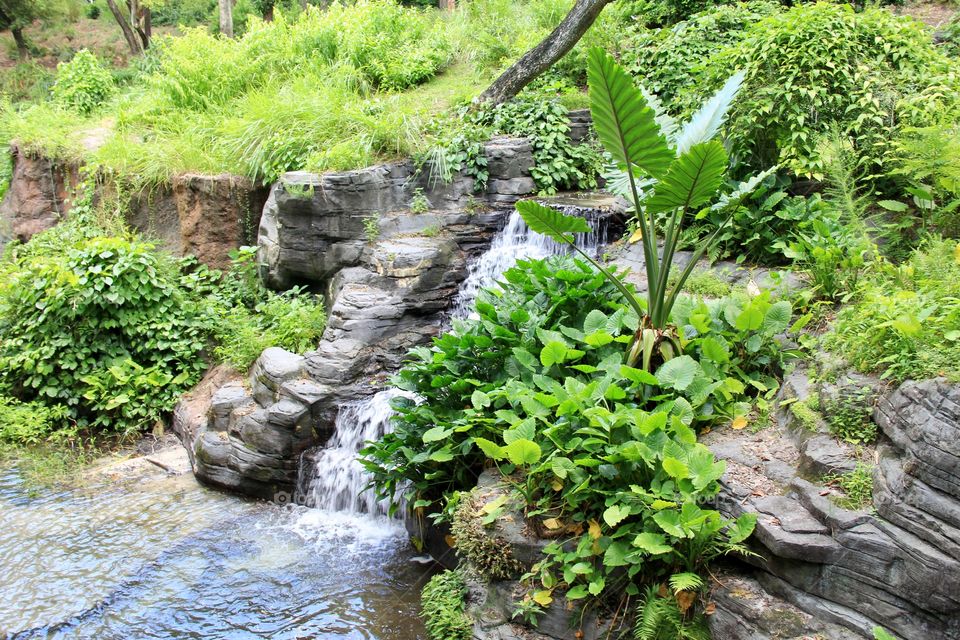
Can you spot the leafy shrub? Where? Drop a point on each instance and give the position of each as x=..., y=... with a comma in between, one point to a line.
x=668, y=61
x=559, y=164
x=818, y=64
x=929, y=160
x=26, y=82
x=246, y=317
x=82, y=84
x=443, y=607
x=905, y=322
x=28, y=422
x=103, y=329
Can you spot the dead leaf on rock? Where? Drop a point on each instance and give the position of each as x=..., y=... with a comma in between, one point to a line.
x=710, y=609
x=685, y=600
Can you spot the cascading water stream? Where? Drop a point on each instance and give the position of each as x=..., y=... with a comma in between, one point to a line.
x=337, y=479
x=331, y=477
x=516, y=242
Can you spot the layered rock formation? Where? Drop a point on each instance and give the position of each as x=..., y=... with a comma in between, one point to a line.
x=38, y=195
x=896, y=567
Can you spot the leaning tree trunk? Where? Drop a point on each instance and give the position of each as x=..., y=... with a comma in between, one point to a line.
x=145, y=26
x=22, y=50
x=226, y=17
x=136, y=47
x=545, y=54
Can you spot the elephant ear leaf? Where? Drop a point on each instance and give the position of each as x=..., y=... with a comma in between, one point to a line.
x=550, y=222
x=624, y=122
x=692, y=180
x=705, y=123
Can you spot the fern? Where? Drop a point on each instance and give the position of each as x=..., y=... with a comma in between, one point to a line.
x=685, y=581
x=659, y=618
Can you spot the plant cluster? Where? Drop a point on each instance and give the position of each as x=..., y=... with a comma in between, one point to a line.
x=490, y=556
x=857, y=487
x=443, y=607
x=849, y=415
x=83, y=83
x=905, y=320
x=101, y=327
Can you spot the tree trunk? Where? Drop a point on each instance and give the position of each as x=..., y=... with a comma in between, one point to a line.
x=448, y=5
x=22, y=50
x=226, y=17
x=545, y=54
x=133, y=42
x=146, y=26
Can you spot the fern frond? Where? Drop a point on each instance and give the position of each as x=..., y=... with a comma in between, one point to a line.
x=686, y=581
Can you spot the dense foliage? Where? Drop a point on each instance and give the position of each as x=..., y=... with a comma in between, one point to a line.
x=906, y=320
x=83, y=83
x=443, y=603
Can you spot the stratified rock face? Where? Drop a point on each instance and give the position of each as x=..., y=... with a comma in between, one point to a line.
x=389, y=274
x=897, y=567
x=315, y=225
x=37, y=197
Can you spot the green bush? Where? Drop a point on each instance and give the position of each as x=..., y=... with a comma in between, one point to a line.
x=820, y=64
x=905, y=322
x=538, y=386
x=668, y=62
x=28, y=423
x=857, y=487
x=82, y=84
x=443, y=607
x=101, y=327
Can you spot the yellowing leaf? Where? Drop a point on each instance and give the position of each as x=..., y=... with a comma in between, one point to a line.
x=490, y=507
x=556, y=485
x=685, y=600
x=543, y=598
x=956, y=253
x=738, y=423
x=451, y=541
x=594, y=529
x=552, y=523
x=637, y=236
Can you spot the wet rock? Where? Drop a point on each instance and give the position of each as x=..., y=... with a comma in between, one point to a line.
x=274, y=367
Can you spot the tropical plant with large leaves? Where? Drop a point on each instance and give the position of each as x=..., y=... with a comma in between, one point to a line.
x=668, y=172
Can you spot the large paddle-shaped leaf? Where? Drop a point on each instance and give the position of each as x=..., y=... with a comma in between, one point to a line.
x=707, y=120
x=550, y=222
x=625, y=123
x=692, y=180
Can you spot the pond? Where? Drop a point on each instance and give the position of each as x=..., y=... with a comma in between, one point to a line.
x=160, y=556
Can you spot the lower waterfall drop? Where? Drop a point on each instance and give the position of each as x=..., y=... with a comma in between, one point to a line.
x=337, y=479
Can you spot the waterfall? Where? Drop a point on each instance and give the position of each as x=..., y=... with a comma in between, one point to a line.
x=516, y=242
x=331, y=477
x=335, y=479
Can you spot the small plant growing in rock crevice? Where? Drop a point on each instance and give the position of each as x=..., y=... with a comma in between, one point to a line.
x=443, y=607
x=419, y=202
x=371, y=227
x=849, y=416
x=857, y=487
x=489, y=555
x=806, y=413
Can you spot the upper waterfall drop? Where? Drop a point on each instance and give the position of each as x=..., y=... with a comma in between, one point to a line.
x=517, y=242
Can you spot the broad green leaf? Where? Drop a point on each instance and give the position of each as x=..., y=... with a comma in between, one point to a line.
x=750, y=319
x=479, y=399
x=577, y=593
x=677, y=469
x=705, y=123
x=562, y=466
x=615, y=514
x=741, y=529
x=678, y=373
x=777, y=318
x=714, y=350
x=435, y=434
x=624, y=122
x=553, y=353
x=692, y=180
x=551, y=222
x=595, y=321
x=652, y=543
x=638, y=376
x=523, y=452
x=669, y=521
x=616, y=554
x=490, y=449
